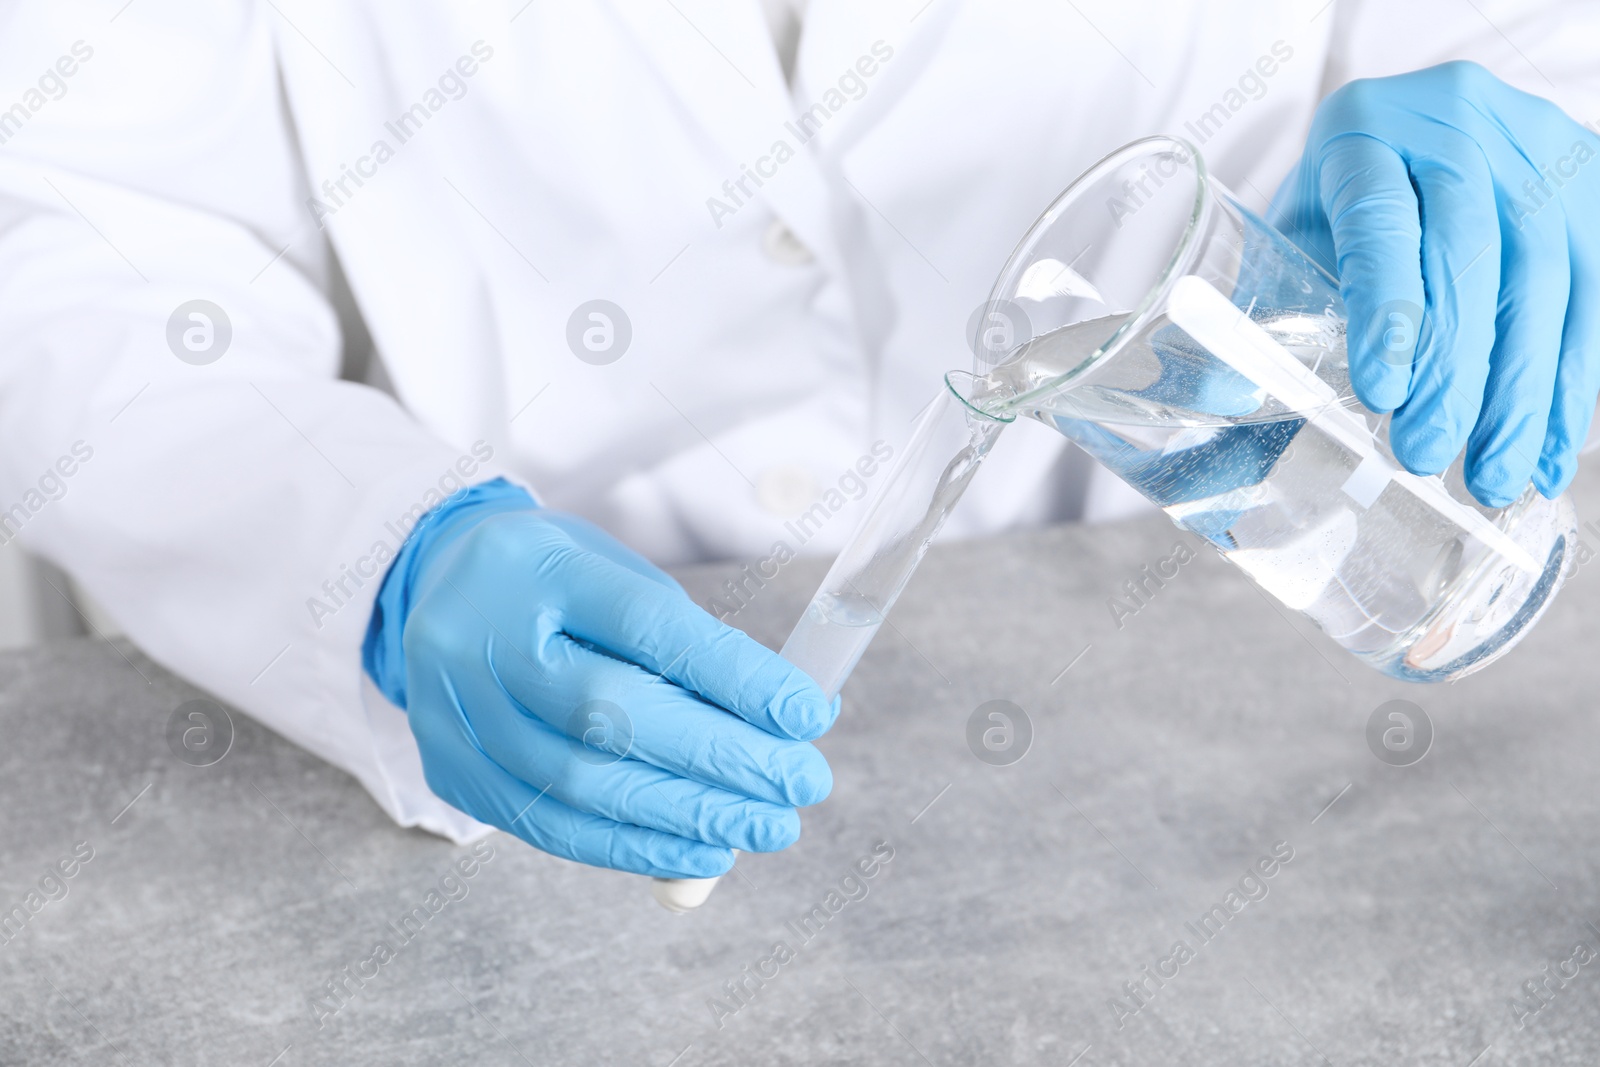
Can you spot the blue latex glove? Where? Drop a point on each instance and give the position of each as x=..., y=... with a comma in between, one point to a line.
x=1445, y=194
x=512, y=635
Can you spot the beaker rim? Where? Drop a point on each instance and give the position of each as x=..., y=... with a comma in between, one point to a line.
x=1178, y=263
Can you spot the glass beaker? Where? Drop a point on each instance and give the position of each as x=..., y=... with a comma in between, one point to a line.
x=1198, y=354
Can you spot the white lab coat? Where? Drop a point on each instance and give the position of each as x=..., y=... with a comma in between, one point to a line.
x=774, y=338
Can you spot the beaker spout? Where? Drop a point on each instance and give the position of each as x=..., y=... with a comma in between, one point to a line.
x=949, y=444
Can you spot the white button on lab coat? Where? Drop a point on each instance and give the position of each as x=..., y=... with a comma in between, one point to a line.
x=483, y=170
x=782, y=246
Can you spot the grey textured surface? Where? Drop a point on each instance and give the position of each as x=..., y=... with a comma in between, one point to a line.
x=1020, y=899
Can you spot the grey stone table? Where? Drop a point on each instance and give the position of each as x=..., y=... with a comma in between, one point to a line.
x=1027, y=914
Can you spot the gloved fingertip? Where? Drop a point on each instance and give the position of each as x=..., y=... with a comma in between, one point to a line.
x=1499, y=479
x=1492, y=497
x=1554, y=474
x=811, y=782
x=700, y=860
x=1421, y=462
x=1495, y=490
x=806, y=715
x=1380, y=371
x=1382, y=390
x=829, y=715
x=814, y=721
x=1424, y=451
x=1381, y=339
x=773, y=831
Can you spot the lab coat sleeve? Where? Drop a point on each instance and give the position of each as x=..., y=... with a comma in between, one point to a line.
x=234, y=516
x=1543, y=47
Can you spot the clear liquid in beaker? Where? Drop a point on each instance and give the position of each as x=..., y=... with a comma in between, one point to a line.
x=1394, y=580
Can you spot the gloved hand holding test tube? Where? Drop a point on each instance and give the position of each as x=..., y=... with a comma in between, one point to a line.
x=1293, y=485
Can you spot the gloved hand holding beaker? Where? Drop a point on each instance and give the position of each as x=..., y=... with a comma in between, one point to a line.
x=567, y=691
x=1464, y=219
